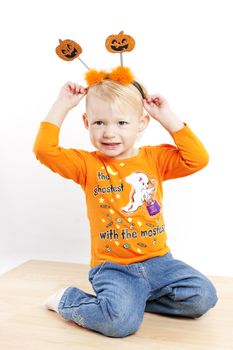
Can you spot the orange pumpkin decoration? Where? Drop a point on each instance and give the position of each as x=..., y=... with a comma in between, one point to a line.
x=68, y=50
x=118, y=43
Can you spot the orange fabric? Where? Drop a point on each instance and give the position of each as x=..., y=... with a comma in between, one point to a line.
x=121, y=74
x=124, y=197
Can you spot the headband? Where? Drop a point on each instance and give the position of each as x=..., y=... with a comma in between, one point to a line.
x=68, y=50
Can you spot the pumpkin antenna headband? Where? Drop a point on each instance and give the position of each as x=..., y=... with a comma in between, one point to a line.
x=68, y=50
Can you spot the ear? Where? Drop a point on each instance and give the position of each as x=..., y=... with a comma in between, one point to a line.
x=85, y=121
x=143, y=123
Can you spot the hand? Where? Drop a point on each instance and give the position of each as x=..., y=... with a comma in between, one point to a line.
x=157, y=106
x=159, y=109
x=71, y=94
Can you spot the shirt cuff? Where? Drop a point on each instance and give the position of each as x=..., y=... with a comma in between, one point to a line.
x=48, y=125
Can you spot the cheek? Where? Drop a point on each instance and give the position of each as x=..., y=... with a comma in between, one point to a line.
x=93, y=138
x=134, y=129
x=95, y=133
x=129, y=135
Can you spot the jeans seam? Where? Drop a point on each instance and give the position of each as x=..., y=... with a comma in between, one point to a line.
x=98, y=271
x=143, y=272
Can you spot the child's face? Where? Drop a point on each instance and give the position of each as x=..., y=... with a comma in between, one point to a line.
x=113, y=132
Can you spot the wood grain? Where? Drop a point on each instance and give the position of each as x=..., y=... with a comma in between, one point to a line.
x=26, y=324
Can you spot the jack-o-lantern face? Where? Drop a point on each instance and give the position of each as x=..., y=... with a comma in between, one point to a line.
x=118, y=43
x=68, y=50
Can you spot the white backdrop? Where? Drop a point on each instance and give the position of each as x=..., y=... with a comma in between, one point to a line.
x=184, y=52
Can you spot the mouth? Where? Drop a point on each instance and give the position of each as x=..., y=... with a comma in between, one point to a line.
x=71, y=55
x=120, y=48
x=110, y=145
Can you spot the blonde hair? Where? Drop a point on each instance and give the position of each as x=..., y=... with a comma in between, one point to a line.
x=118, y=95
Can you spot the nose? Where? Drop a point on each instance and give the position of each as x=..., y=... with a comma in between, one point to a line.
x=109, y=132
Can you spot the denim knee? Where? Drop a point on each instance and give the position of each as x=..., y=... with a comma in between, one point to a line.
x=119, y=330
x=205, y=300
x=121, y=327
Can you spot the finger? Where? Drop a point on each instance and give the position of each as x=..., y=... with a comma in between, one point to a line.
x=156, y=97
x=146, y=101
x=69, y=84
x=71, y=87
x=149, y=101
x=147, y=98
x=79, y=89
x=76, y=89
x=157, y=101
x=82, y=90
x=149, y=105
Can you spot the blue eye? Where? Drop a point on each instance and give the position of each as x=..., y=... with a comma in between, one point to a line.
x=122, y=122
x=98, y=122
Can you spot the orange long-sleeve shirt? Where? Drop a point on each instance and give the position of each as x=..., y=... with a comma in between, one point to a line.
x=123, y=196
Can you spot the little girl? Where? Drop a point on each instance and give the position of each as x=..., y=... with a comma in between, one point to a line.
x=132, y=268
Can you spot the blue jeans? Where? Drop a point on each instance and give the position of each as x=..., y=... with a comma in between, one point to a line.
x=161, y=285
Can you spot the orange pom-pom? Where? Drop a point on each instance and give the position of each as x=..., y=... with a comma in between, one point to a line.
x=94, y=77
x=122, y=74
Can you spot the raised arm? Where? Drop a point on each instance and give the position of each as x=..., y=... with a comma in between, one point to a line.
x=69, y=96
x=189, y=155
x=69, y=163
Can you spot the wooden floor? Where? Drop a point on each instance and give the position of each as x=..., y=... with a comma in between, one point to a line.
x=26, y=324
